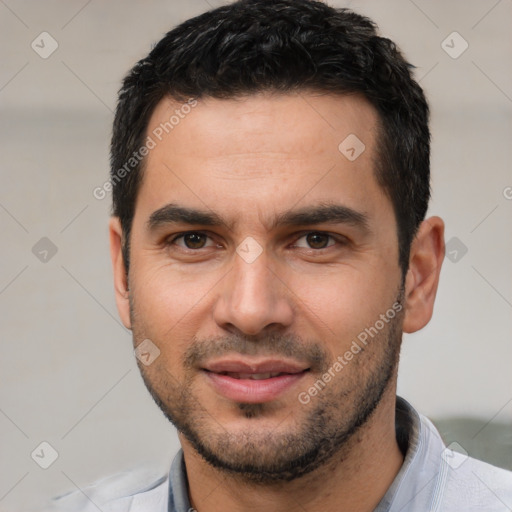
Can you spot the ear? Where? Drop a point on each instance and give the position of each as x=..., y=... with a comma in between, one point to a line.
x=120, y=275
x=425, y=260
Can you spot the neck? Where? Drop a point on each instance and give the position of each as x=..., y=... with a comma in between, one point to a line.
x=356, y=480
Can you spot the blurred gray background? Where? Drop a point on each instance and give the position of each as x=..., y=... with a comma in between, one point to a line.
x=68, y=375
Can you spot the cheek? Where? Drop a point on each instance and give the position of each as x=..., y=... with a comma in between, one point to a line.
x=342, y=304
x=170, y=308
x=168, y=295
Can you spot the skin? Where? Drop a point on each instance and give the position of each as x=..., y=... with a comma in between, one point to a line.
x=250, y=160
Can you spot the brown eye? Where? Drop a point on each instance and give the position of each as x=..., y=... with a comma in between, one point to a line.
x=318, y=240
x=192, y=243
x=194, y=240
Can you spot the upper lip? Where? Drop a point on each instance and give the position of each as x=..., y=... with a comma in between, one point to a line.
x=261, y=366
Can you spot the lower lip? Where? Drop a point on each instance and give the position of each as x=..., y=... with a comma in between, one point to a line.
x=253, y=391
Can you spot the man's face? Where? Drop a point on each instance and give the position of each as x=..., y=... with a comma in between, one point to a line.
x=277, y=252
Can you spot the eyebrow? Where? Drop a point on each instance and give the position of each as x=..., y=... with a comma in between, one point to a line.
x=172, y=214
x=319, y=214
x=324, y=213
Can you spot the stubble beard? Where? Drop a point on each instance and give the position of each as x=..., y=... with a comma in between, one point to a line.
x=322, y=429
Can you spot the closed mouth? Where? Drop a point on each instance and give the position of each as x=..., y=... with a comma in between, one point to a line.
x=255, y=376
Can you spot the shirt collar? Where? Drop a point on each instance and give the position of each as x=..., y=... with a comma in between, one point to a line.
x=414, y=485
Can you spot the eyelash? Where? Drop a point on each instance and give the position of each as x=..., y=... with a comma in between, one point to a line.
x=338, y=239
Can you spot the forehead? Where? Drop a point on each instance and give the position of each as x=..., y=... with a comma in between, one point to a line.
x=294, y=124
x=262, y=153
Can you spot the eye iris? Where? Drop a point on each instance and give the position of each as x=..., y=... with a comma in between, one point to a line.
x=194, y=240
x=317, y=240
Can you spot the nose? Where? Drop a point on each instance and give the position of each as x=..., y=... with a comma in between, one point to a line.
x=253, y=298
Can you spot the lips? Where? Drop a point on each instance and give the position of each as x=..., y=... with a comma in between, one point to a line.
x=252, y=367
x=253, y=376
x=253, y=381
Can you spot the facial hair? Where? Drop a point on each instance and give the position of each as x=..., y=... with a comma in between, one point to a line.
x=319, y=431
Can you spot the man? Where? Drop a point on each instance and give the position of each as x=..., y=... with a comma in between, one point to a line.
x=270, y=165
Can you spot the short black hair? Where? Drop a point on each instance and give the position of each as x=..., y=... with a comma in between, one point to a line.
x=252, y=46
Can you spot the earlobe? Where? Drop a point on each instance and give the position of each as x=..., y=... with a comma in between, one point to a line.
x=119, y=270
x=422, y=279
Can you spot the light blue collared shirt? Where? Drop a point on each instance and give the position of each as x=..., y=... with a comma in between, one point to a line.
x=433, y=478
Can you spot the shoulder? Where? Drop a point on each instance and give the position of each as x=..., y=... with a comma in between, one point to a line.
x=472, y=485
x=440, y=479
x=137, y=490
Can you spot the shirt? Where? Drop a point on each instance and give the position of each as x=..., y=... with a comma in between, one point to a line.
x=433, y=478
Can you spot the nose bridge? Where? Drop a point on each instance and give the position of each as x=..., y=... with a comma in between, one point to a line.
x=251, y=284
x=252, y=298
